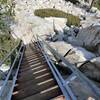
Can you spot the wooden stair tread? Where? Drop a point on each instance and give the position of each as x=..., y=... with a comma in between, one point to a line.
x=45, y=95
x=34, y=89
x=40, y=78
x=32, y=68
x=31, y=77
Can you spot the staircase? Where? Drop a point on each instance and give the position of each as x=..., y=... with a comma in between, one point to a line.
x=36, y=77
x=35, y=80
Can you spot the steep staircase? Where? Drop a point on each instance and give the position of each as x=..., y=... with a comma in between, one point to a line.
x=35, y=80
x=35, y=77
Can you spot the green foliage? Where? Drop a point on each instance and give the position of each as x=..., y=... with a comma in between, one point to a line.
x=72, y=20
x=6, y=12
x=3, y=1
x=97, y=4
x=7, y=43
x=6, y=40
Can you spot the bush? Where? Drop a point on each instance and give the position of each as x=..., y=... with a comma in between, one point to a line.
x=6, y=41
x=72, y=20
x=97, y=4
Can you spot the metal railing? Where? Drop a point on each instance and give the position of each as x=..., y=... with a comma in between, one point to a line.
x=66, y=91
x=18, y=51
x=62, y=82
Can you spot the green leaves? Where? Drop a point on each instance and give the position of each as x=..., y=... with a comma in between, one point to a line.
x=6, y=41
x=97, y=4
x=3, y=1
x=72, y=20
x=6, y=9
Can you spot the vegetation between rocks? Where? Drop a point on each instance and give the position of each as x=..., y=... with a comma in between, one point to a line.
x=72, y=20
x=6, y=16
x=97, y=4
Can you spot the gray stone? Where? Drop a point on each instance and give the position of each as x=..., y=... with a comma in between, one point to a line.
x=90, y=36
x=77, y=55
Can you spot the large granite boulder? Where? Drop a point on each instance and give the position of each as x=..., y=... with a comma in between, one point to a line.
x=92, y=69
x=77, y=55
x=90, y=37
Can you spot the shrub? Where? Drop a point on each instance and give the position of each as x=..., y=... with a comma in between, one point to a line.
x=97, y=4
x=6, y=41
x=72, y=20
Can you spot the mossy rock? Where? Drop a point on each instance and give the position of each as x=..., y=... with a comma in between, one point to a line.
x=72, y=20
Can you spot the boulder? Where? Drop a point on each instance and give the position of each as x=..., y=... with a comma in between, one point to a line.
x=77, y=55
x=96, y=61
x=92, y=69
x=59, y=23
x=91, y=20
x=90, y=37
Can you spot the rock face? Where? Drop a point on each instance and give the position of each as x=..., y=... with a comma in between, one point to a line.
x=58, y=23
x=90, y=37
x=77, y=55
x=90, y=21
x=92, y=69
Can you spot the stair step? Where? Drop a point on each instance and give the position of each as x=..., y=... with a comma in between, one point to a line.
x=34, y=89
x=28, y=83
x=31, y=73
x=28, y=77
x=46, y=94
x=31, y=62
x=34, y=80
x=33, y=65
x=31, y=68
x=33, y=58
x=32, y=54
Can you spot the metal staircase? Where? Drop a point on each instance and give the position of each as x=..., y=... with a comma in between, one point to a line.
x=37, y=78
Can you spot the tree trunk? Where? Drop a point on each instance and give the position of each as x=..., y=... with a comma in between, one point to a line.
x=92, y=2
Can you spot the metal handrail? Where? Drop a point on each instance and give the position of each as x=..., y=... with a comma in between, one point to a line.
x=79, y=74
x=16, y=74
x=65, y=90
x=59, y=78
x=10, y=71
